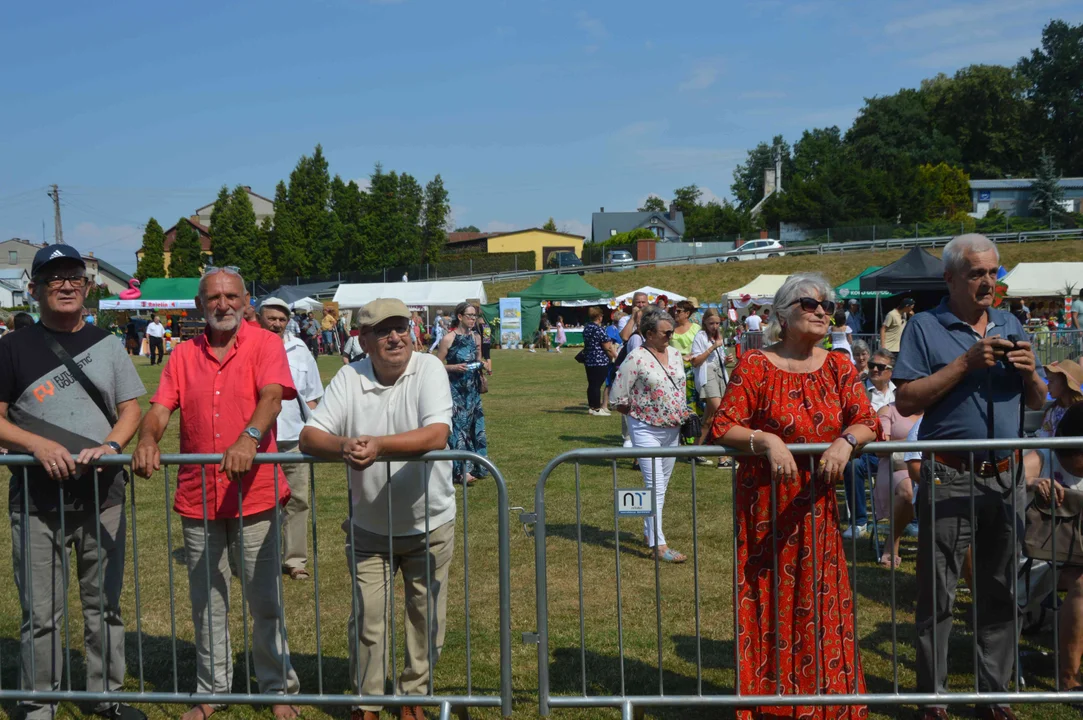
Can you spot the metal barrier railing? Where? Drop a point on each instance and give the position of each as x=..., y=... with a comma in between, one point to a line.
x=625, y=501
x=167, y=662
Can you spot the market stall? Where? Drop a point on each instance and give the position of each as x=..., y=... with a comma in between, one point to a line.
x=559, y=291
x=441, y=293
x=156, y=294
x=760, y=291
x=851, y=289
x=1044, y=280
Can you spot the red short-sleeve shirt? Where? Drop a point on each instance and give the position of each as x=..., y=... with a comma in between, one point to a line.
x=216, y=400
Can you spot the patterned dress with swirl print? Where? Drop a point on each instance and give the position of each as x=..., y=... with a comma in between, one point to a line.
x=813, y=407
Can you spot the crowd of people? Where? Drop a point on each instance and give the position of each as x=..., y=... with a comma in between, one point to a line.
x=249, y=384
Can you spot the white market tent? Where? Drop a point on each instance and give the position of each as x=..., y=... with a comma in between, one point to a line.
x=760, y=291
x=307, y=304
x=442, y=293
x=652, y=293
x=1044, y=279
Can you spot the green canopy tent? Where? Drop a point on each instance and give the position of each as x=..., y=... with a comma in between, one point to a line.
x=554, y=288
x=851, y=289
x=157, y=294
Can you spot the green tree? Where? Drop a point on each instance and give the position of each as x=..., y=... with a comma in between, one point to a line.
x=896, y=131
x=653, y=203
x=946, y=190
x=152, y=264
x=550, y=225
x=266, y=270
x=347, y=202
x=411, y=198
x=686, y=199
x=816, y=151
x=288, y=246
x=434, y=220
x=186, y=256
x=1055, y=74
x=748, y=177
x=468, y=228
x=984, y=110
x=1047, y=192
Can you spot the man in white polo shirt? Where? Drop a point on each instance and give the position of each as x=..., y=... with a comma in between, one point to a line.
x=274, y=315
x=394, y=402
x=156, y=338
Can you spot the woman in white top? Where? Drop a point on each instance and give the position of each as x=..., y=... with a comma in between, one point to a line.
x=708, y=357
x=649, y=389
x=841, y=335
x=1047, y=470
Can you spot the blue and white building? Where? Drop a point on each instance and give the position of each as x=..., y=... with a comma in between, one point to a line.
x=1013, y=196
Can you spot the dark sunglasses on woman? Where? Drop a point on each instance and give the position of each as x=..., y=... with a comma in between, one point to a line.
x=809, y=304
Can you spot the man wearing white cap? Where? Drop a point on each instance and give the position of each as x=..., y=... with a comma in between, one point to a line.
x=394, y=402
x=274, y=315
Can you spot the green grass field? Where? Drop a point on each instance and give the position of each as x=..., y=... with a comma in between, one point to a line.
x=535, y=410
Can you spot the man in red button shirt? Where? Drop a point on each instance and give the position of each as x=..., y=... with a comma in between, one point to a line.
x=229, y=384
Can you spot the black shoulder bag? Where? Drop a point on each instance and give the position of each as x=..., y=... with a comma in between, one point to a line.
x=78, y=375
x=691, y=428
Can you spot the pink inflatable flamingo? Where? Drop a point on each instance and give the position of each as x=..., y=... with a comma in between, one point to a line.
x=132, y=293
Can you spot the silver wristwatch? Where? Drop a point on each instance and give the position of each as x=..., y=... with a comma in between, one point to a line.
x=254, y=434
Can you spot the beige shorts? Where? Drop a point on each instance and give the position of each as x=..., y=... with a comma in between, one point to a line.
x=715, y=384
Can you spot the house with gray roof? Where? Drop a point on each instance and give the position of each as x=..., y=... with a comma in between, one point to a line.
x=13, y=282
x=667, y=226
x=1013, y=196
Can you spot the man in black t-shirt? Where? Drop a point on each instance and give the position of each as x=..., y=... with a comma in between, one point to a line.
x=48, y=412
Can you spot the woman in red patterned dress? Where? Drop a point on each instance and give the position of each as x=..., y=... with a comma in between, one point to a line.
x=794, y=391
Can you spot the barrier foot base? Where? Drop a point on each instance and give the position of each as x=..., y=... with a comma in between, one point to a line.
x=445, y=711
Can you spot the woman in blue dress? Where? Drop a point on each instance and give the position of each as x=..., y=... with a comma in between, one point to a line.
x=460, y=349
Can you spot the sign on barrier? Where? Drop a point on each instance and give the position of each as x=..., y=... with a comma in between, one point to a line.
x=633, y=502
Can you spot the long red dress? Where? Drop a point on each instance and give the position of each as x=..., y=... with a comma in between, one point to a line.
x=811, y=407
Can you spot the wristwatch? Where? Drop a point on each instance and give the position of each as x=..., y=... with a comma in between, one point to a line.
x=254, y=434
x=116, y=446
x=849, y=437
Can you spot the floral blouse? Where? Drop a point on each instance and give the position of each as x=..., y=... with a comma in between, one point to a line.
x=654, y=395
x=1052, y=418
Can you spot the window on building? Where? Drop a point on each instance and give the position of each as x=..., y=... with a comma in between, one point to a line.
x=612, y=232
x=13, y=257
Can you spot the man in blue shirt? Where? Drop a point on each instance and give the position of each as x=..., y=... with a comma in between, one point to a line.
x=953, y=360
x=854, y=317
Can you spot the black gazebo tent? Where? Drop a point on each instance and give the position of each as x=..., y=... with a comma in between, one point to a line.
x=918, y=274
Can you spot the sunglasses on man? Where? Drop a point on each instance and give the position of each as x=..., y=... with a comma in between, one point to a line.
x=55, y=282
x=879, y=366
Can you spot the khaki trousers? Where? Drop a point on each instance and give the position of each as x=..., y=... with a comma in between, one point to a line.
x=295, y=517
x=210, y=604
x=426, y=598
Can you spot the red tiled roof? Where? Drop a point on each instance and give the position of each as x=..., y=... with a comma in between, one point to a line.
x=459, y=237
x=203, y=230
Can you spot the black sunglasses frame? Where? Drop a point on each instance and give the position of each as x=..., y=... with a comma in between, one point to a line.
x=809, y=304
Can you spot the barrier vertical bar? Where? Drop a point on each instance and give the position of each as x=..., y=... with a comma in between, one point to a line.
x=138, y=602
x=894, y=569
x=356, y=649
x=815, y=568
x=172, y=587
x=466, y=581
x=244, y=591
x=853, y=540
x=316, y=576
x=66, y=569
x=1015, y=570
x=504, y=588
x=28, y=574
x=620, y=614
x=428, y=581
x=695, y=584
x=932, y=565
x=103, y=626
x=542, y=606
x=736, y=585
x=207, y=566
x=1056, y=598
x=280, y=590
x=973, y=572
x=389, y=634
x=774, y=584
x=579, y=567
x=657, y=571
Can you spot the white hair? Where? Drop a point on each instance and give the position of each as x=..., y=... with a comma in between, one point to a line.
x=955, y=252
x=796, y=286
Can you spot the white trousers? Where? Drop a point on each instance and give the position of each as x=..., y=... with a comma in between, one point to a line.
x=656, y=471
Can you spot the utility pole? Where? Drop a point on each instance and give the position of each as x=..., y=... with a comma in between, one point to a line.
x=55, y=195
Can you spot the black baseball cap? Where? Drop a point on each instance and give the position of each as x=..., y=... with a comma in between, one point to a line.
x=49, y=253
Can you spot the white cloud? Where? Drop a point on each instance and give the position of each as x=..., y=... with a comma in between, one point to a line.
x=966, y=17
x=500, y=226
x=703, y=75
x=709, y=196
x=643, y=200
x=574, y=227
x=364, y=183
x=592, y=26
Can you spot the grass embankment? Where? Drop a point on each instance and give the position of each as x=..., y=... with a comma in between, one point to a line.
x=535, y=410
x=708, y=282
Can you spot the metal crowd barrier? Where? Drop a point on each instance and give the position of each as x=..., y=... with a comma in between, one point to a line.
x=633, y=694
x=171, y=683
x=1060, y=344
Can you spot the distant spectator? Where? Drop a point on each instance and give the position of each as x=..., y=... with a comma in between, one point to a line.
x=1065, y=378
x=461, y=350
x=250, y=316
x=22, y=320
x=860, y=349
x=327, y=325
x=596, y=359
x=156, y=339
x=561, y=338
x=1077, y=311
x=855, y=319
x=753, y=322
x=894, y=323
x=841, y=334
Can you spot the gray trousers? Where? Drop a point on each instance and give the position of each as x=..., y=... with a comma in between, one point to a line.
x=210, y=604
x=994, y=577
x=40, y=557
x=295, y=514
x=425, y=599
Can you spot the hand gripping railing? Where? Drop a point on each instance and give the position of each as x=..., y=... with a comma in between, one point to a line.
x=170, y=681
x=970, y=493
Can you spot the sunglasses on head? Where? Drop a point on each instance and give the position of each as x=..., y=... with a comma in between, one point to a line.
x=231, y=269
x=809, y=304
x=879, y=366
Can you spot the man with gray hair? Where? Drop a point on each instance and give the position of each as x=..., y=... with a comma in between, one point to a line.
x=229, y=383
x=963, y=365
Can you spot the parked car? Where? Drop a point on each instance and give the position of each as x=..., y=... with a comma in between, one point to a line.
x=756, y=250
x=563, y=260
x=618, y=258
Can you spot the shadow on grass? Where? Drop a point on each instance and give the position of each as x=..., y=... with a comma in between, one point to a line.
x=568, y=410
x=640, y=678
x=602, y=440
x=629, y=541
x=713, y=653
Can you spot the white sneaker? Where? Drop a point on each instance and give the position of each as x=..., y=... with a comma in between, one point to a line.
x=533, y=350
x=862, y=531
x=603, y=411
x=592, y=411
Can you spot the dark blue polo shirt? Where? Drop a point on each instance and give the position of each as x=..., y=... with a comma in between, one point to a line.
x=934, y=338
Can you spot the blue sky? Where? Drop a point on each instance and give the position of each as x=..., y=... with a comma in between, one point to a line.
x=527, y=109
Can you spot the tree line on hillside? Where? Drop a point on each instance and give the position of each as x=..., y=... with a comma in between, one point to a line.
x=321, y=225
x=908, y=157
